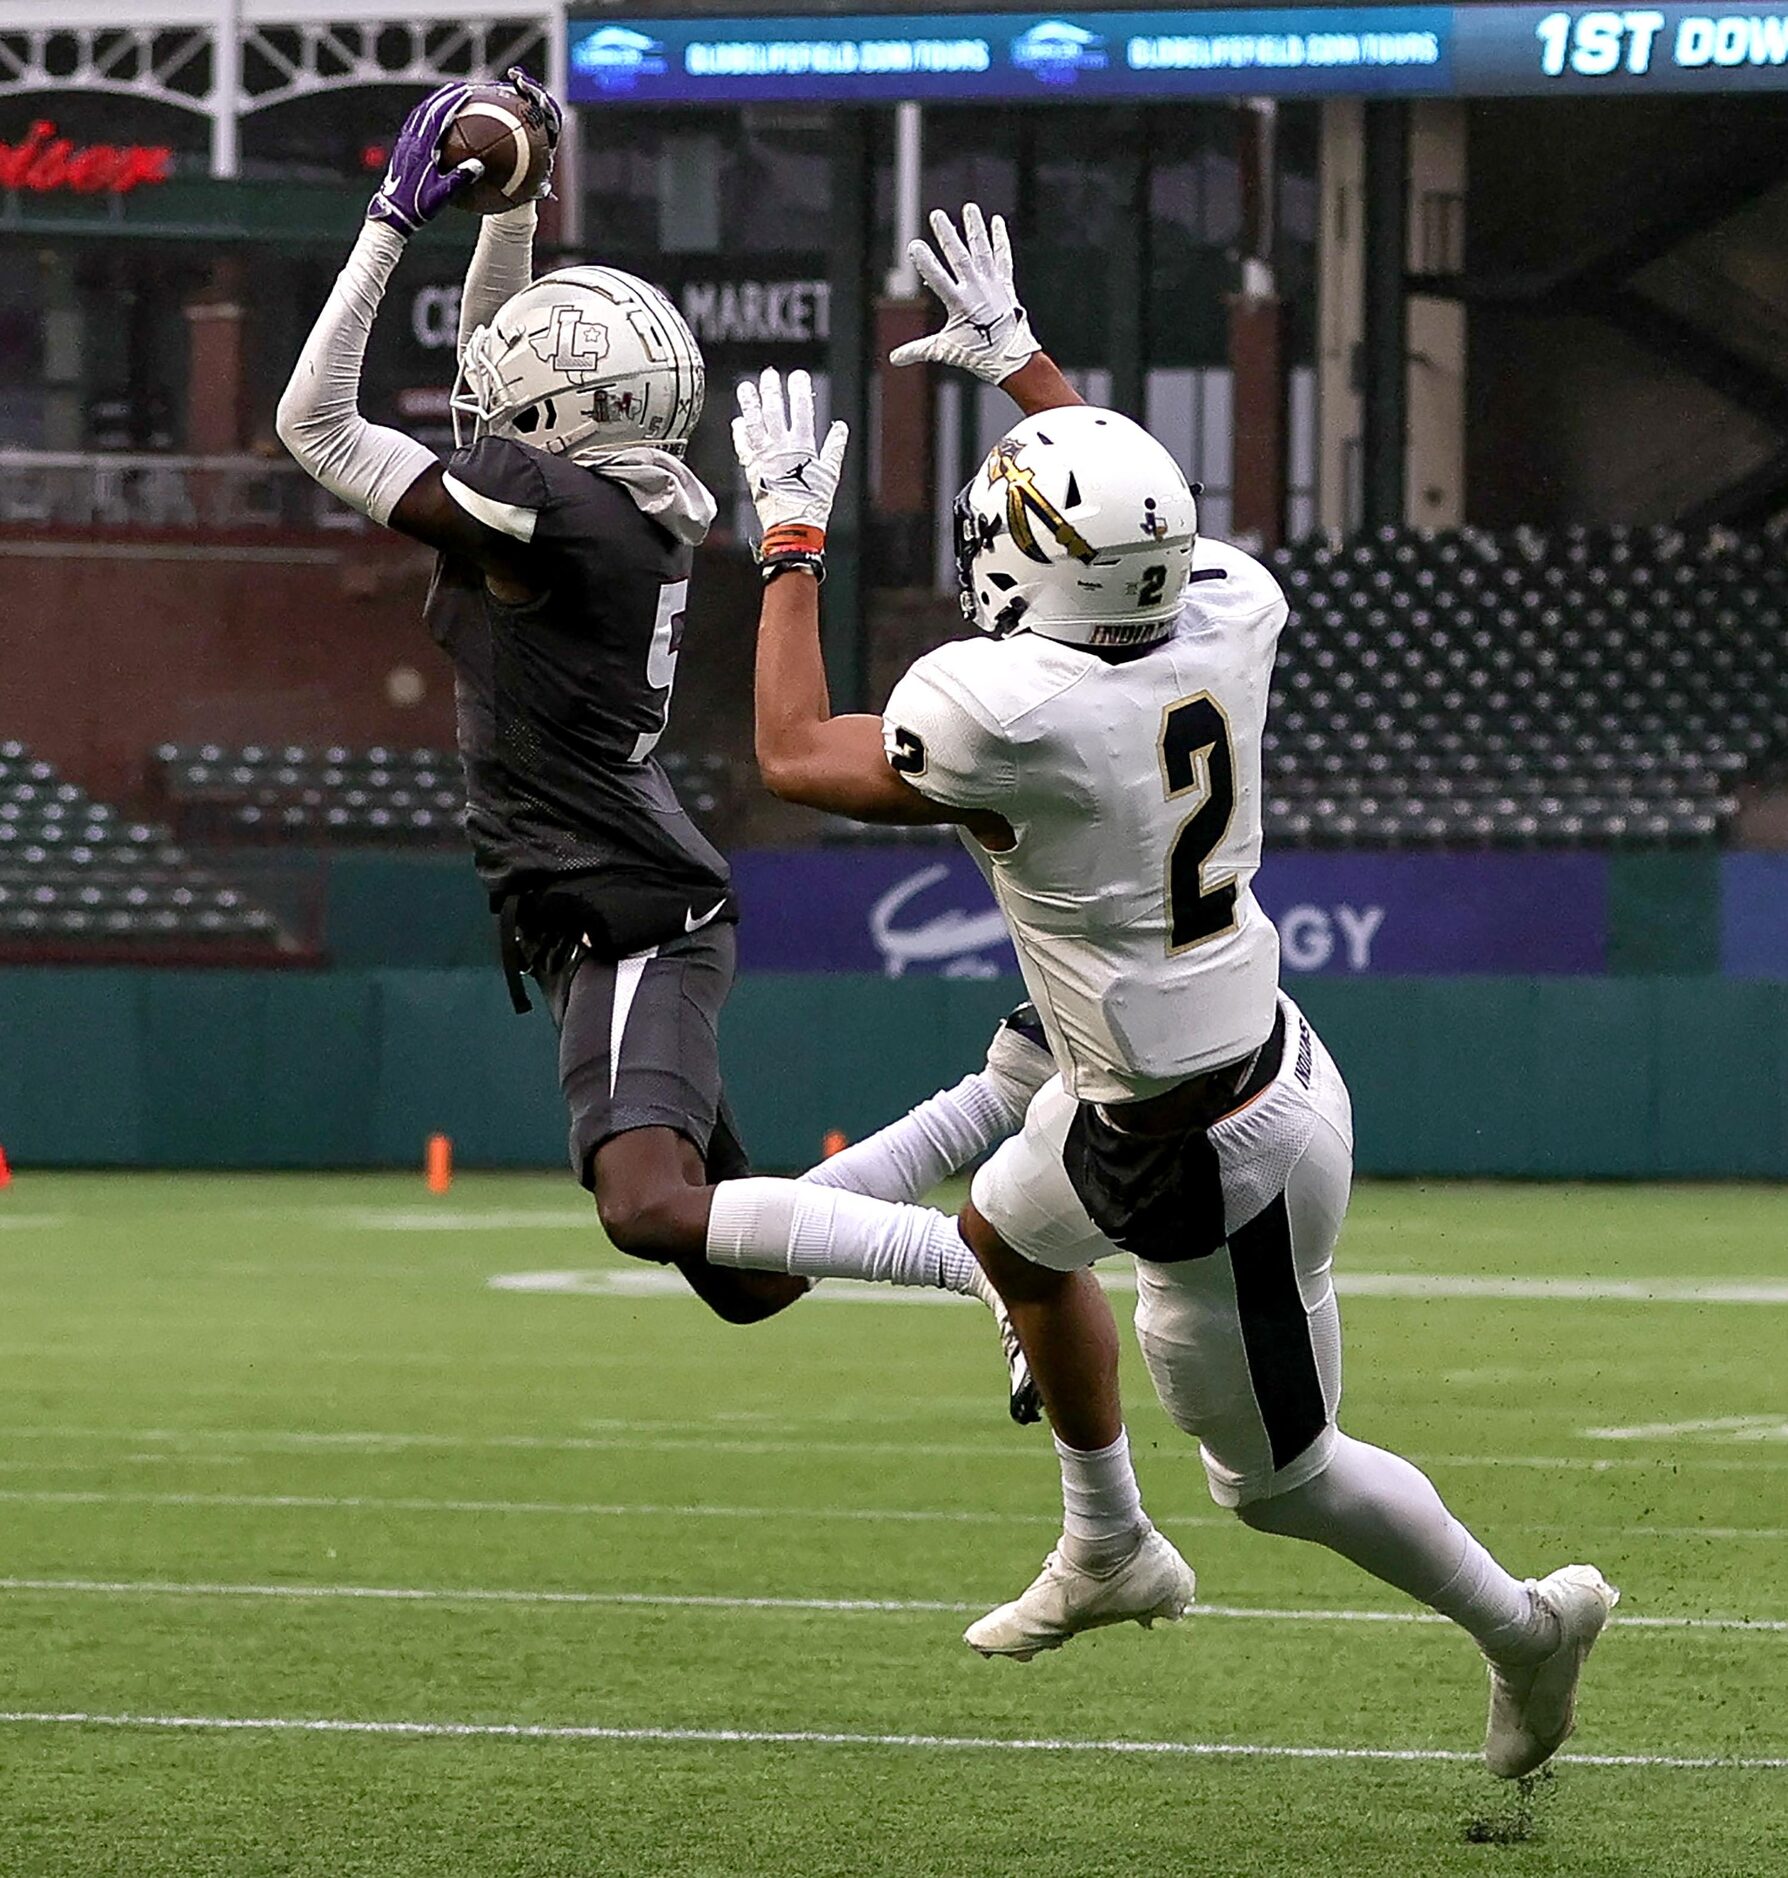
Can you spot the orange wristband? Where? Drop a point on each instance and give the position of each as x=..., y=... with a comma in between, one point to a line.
x=791, y=538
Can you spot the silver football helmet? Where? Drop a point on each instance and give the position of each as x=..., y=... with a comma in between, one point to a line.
x=1079, y=527
x=583, y=361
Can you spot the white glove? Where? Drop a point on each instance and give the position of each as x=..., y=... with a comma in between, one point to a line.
x=792, y=479
x=988, y=333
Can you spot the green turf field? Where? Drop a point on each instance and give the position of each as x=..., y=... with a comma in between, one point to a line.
x=663, y=1600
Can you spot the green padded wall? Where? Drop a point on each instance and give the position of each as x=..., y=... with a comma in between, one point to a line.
x=1664, y=910
x=1541, y=1077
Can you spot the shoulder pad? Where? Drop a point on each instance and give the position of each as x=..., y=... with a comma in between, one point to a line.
x=939, y=739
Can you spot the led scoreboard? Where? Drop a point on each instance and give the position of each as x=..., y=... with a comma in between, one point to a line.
x=1531, y=51
x=1432, y=51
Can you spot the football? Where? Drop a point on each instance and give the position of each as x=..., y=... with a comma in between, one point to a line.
x=507, y=133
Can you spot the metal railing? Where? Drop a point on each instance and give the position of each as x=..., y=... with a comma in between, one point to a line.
x=116, y=489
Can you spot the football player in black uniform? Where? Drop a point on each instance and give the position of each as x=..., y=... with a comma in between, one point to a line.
x=566, y=528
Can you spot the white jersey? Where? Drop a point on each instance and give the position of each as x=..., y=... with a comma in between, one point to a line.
x=1134, y=790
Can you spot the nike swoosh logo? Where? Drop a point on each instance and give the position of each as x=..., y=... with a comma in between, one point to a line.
x=692, y=924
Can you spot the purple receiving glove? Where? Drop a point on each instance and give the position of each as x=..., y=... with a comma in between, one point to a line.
x=416, y=188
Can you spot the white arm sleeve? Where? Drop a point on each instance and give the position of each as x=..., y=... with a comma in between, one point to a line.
x=502, y=265
x=366, y=465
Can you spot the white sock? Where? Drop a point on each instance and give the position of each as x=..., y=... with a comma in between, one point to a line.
x=822, y=1232
x=1384, y=1514
x=1102, y=1516
x=905, y=1160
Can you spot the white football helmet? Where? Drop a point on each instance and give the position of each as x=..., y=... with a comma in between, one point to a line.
x=583, y=361
x=1079, y=526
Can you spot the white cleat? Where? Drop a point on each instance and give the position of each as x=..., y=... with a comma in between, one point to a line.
x=1024, y=1400
x=1533, y=1706
x=1063, y=1600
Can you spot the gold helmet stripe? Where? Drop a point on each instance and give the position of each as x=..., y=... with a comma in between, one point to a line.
x=1025, y=500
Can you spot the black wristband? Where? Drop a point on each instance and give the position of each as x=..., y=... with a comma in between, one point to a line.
x=814, y=564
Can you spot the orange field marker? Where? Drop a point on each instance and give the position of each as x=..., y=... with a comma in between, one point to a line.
x=834, y=1142
x=438, y=1163
x=5, y=1171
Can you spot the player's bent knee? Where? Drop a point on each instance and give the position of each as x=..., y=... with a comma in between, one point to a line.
x=651, y=1226
x=1285, y=1506
x=650, y=1209
x=629, y=1221
x=649, y=1196
x=1017, y=1279
x=1262, y=1515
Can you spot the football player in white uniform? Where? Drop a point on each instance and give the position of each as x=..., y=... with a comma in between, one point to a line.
x=1100, y=748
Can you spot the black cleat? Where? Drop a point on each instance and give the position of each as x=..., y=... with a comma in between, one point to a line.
x=1027, y=1023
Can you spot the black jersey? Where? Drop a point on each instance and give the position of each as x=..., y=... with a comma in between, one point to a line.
x=562, y=701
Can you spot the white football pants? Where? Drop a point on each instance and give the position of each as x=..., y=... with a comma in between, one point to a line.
x=1244, y=1344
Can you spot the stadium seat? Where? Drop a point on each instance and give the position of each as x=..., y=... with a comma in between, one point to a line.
x=381, y=795
x=323, y=794
x=1605, y=684
x=1597, y=685
x=73, y=869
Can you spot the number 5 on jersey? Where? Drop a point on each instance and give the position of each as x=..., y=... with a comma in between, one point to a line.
x=661, y=660
x=1198, y=756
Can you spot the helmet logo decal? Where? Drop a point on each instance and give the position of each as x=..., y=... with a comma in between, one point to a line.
x=609, y=406
x=1025, y=501
x=576, y=342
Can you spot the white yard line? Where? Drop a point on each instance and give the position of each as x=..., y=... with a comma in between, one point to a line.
x=455, y=1219
x=998, y=1447
x=814, y=1737
x=604, y=1509
x=717, y=1601
x=123, y=1460
x=1676, y=1459
x=574, y=1509
x=1765, y=1427
x=1570, y=1290
x=650, y=1281
x=416, y=1594
x=288, y=1440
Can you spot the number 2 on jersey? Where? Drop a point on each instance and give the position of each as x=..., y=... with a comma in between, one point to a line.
x=1197, y=754
x=661, y=659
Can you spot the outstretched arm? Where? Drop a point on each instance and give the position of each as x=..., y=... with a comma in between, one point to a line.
x=368, y=466
x=502, y=265
x=987, y=332
x=804, y=753
x=379, y=471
